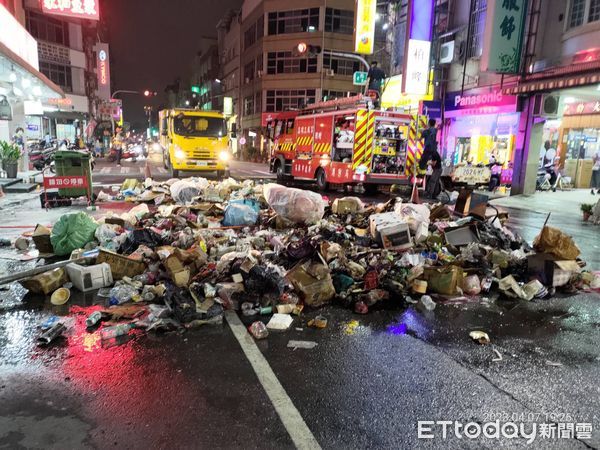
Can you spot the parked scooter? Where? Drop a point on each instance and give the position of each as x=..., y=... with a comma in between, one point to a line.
x=129, y=152
x=41, y=155
x=495, y=177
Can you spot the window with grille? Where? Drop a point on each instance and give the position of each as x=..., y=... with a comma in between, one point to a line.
x=577, y=13
x=285, y=62
x=295, y=21
x=341, y=66
x=254, y=32
x=58, y=73
x=48, y=29
x=286, y=99
x=594, y=9
x=475, y=47
x=339, y=21
x=249, y=105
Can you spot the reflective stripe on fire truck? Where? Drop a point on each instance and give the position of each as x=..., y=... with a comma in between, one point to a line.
x=305, y=140
x=415, y=146
x=363, y=138
x=322, y=147
x=286, y=147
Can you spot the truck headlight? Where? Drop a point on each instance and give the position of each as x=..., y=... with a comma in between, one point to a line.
x=179, y=153
x=224, y=156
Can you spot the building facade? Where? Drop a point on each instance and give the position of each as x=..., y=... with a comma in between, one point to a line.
x=23, y=87
x=274, y=77
x=550, y=97
x=66, y=49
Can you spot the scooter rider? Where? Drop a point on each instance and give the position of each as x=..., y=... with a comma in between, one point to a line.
x=118, y=142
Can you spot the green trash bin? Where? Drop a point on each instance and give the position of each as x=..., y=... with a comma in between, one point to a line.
x=73, y=163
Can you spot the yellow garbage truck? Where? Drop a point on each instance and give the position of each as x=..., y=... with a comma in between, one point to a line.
x=194, y=140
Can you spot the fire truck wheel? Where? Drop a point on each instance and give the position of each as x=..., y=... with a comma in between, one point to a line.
x=371, y=189
x=322, y=183
x=280, y=172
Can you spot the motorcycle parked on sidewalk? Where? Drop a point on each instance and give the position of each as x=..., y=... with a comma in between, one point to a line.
x=41, y=155
x=130, y=152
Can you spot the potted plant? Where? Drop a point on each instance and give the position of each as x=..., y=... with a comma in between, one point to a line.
x=10, y=154
x=586, y=209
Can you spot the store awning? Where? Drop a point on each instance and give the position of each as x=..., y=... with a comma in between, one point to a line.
x=53, y=90
x=558, y=78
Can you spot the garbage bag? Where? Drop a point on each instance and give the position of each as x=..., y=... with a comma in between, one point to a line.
x=241, y=212
x=296, y=205
x=72, y=231
x=185, y=191
x=414, y=214
x=141, y=237
x=552, y=240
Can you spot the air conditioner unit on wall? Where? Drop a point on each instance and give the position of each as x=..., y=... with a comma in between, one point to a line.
x=330, y=72
x=447, y=52
x=546, y=105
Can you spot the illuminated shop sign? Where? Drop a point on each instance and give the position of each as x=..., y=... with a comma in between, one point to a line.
x=83, y=9
x=479, y=101
x=418, y=49
x=364, y=26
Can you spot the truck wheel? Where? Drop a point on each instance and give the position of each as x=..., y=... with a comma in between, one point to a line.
x=322, y=183
x=371, y=189
x=174, y=173
x=280, y=172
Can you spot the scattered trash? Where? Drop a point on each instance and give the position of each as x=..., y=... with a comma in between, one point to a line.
x=480, y=336
x=60, y=296
x=318, y=322
x=553, y=364
x=498, y=355
x=280, y=322
x=427, y=303
x=302, y=344
x=258, y=330
x=49, y=335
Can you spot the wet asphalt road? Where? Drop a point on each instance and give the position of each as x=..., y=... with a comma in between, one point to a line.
x=365, y=385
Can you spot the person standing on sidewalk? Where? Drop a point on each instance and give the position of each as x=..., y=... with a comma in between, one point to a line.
x=596, y=173
x=431, y=157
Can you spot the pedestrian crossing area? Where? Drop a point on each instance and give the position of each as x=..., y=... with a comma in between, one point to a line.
x=130, y=170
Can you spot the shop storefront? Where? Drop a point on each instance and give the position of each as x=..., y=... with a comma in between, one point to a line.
x=22, y=87
x=480, y=128
x=575, y=134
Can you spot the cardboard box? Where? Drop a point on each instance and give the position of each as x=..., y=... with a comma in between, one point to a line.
x=45, y=283
x=314, y=281
x=550, y=270
x=87, y=278
x=41, y=239
x=120, y=265
x=459, y=236
x=390, y=230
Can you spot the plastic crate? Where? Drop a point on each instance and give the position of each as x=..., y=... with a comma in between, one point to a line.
x=73, y=163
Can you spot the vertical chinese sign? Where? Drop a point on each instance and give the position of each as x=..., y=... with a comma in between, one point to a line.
x=364, y=26
x=83, y=9
x=418, y=49
x=503, y=37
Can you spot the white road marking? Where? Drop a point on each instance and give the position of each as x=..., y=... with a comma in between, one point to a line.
x=124, y=170
x=289, y=415
x=105, y=170
x=262, y=172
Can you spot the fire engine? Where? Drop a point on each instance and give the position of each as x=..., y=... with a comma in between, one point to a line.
x=346, y=142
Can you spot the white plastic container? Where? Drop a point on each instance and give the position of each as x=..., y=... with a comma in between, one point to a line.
x=87, y=278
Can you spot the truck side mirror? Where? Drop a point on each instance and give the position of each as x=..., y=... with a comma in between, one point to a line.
x=234, y=130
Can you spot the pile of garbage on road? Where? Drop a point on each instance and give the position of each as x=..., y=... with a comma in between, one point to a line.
x=191, y=249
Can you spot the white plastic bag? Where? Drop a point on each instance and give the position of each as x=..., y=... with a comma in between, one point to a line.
x=185, y=191
x=414, y=214
x=296, y=205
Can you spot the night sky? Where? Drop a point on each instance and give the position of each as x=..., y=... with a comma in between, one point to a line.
x=152, y=42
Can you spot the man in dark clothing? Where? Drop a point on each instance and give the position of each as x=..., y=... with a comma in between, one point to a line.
x=432, y=157
x=375, y=76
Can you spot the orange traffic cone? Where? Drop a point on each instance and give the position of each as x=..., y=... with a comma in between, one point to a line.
x=147, y=173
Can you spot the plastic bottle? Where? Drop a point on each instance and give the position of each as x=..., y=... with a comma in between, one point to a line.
x=258, y=330
x=93, y=319
x=427, y=302
x=116, y=331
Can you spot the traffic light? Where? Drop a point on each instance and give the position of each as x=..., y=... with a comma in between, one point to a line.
x=304, y=49
x=148, y=93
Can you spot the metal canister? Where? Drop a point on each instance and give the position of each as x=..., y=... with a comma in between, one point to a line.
x=93, y=319
x=48, y=336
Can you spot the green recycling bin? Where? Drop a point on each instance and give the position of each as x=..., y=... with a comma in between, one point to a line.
x=74, y=163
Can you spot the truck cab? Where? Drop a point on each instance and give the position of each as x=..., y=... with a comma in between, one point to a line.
x=194, y=141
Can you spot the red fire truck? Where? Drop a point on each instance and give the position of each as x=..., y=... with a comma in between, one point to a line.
x=343, y=142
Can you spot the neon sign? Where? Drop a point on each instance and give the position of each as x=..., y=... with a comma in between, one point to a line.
x=83, y=9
